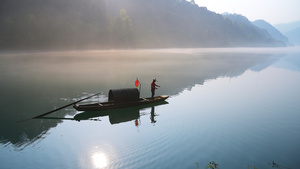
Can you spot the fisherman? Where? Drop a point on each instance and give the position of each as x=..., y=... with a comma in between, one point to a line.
x=153, y=87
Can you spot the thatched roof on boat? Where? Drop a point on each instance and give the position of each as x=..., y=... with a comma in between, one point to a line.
x=123, y=95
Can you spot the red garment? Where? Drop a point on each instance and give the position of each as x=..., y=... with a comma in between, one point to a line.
x=153, y=86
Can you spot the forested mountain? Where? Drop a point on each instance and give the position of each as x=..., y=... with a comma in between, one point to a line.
x=286, y=27
x=272, y=30
x=254, y=32
x=38, y=24
x=291, y=31
x=101, y=24
x=294, y=36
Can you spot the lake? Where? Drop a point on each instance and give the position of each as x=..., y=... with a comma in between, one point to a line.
x=238, y=107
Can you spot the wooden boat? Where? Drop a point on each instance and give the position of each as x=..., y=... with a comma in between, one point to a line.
x=112, y=105
x=119, y=115
x=120, y=98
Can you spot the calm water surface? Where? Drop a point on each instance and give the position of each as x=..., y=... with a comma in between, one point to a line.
x=237, y=107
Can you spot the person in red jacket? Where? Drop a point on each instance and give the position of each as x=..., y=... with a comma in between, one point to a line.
x=153, y=87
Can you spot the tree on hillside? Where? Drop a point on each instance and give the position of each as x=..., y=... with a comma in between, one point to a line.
x=94, y=24
x=120, y=30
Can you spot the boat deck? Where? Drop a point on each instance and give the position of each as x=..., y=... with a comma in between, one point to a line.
x=113, y=105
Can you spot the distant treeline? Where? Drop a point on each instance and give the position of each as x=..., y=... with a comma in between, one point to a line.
x=102, y=24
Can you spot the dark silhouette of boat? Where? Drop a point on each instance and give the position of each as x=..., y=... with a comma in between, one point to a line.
x=119, y=115
x=120, y=98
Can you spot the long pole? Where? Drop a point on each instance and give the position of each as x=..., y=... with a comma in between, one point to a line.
x=44, y=114
x=140, y=87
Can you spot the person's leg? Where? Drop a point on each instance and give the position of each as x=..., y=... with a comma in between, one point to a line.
x=152, y=93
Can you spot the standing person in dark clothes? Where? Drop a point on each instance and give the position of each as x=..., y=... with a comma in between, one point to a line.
x=153, y=87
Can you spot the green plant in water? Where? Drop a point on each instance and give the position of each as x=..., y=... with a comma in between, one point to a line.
x=210, y=165
x=254, y=167
x=214, y=165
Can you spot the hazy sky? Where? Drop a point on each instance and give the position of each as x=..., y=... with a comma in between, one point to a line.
x=272, y=11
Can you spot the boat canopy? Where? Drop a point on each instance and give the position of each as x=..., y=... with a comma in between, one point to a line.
x=123, y=95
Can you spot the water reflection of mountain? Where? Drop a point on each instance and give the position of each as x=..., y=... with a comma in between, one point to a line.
x=290, y=62
x=269, y=61
x=35, y=83
x=196, y=70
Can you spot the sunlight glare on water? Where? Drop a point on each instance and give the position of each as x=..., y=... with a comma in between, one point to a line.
x=99, y=160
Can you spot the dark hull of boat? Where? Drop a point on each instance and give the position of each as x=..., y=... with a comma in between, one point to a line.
x=112, y=105
x=119, y=115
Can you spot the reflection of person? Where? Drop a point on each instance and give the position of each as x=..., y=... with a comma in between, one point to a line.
x=152, y=116
x=136, y=122
x=153, y=87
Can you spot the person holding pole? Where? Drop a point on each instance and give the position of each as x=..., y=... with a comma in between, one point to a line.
x=153, y=87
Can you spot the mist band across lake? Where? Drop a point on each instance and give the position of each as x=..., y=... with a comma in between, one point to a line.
x=237, y=107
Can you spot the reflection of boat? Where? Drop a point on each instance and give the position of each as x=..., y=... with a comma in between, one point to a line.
x=120, y=98
x=118, y=115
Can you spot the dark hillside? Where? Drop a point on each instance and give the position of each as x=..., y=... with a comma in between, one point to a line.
x=272, y=30
x=294, y=36
x=90, y=24
x=252, y=33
